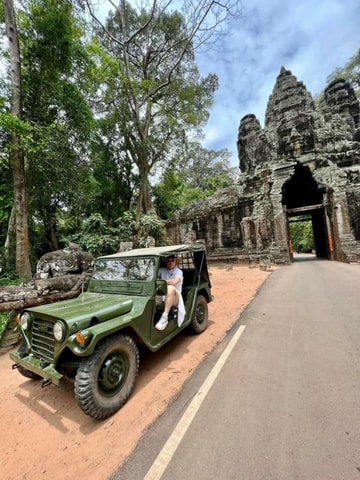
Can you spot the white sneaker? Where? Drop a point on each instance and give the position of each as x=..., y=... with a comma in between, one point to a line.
x=162, y=323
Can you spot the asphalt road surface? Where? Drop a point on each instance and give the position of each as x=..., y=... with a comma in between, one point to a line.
x=280, y=398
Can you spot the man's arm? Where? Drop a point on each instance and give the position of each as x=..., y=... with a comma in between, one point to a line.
x=173, y=281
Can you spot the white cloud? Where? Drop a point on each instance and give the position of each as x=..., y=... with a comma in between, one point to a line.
x=309, y=38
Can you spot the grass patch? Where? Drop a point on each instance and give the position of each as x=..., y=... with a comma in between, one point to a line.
x=4, y=316
x=7, y=281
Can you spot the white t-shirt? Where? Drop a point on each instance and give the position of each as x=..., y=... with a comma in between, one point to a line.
x=166, y=274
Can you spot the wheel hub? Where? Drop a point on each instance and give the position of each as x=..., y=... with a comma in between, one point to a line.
x=113, y=373
x=200, y=315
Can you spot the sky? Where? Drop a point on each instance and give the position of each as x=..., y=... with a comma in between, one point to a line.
x=311, y=38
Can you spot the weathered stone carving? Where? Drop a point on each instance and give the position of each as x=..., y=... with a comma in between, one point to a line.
x=63, y=262
x=305, y=159
x=125, y=246
x=59, y=275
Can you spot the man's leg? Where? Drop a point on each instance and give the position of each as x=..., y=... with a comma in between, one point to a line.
x=171, y=300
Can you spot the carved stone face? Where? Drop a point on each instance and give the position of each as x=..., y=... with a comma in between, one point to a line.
x=295, y=136
x=248, y=133
x=190, y=237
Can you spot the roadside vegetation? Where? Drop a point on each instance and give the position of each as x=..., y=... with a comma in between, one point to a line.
x=4, y=317
x=302, y=235
x=101, y=122
x=100, y=115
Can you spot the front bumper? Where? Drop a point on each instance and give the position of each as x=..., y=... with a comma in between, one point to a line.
x=29, y=362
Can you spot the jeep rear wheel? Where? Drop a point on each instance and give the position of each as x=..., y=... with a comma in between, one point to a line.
x=199, y=321
x=105, y=380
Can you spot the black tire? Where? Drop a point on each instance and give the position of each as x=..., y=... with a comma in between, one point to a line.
x=105, y=380
x=23, y=371
x=199, y=321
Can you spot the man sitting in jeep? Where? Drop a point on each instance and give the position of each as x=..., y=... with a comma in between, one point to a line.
x=93, y=339
x=174, y=280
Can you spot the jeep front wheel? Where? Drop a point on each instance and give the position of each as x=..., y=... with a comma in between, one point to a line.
x=199, y=321
x=105, y=380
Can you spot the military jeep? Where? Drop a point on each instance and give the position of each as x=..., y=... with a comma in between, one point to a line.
x=94, y=338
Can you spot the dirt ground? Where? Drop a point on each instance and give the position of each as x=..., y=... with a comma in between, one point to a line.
x=44, y=434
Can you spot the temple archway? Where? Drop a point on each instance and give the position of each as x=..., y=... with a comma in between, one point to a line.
x=302, y=165
x=303, y=201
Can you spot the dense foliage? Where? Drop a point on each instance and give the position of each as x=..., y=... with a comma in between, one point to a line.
x=302, y=236
x=109, y=111
x=206, y=172
x=4, y=317
x=112, y=113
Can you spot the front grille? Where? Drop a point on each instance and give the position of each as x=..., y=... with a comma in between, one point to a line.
x=43, y=340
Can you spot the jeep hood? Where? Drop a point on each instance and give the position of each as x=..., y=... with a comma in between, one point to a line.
x=86, y=307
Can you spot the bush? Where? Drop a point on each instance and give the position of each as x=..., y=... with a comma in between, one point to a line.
x=4, y=316
x=302, y=236
x=151, y=225
x=98, y=238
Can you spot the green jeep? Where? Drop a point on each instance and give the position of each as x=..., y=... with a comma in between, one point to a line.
x=93, y=338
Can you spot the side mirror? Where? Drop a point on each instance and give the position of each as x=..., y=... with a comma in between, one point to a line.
x=161, y=287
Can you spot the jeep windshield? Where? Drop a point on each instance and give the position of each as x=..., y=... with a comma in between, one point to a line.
x=124, y=269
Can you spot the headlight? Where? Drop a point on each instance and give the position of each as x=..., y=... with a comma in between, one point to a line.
x=59, y=331
x=25, y=320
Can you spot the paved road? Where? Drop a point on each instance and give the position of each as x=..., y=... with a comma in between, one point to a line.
x=286, y=403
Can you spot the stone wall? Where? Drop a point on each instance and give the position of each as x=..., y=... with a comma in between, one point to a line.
x=307, y=157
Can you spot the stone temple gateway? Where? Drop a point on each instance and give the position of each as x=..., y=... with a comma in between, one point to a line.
x=304, y=162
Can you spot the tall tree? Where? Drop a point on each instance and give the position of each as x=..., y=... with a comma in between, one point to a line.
x=158, y=93
x=206, y=172
x=113, y=172
x=23, y=268
x=55, y=64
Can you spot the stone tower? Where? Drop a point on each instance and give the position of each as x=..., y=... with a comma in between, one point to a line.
x=305, y=161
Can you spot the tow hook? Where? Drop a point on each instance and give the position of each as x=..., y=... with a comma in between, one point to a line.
x=45, y=383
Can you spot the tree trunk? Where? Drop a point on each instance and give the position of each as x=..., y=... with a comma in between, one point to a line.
x=11, y=233
x=147, y=203
x=144, y=203
x=50, y=230
x=23, y=268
